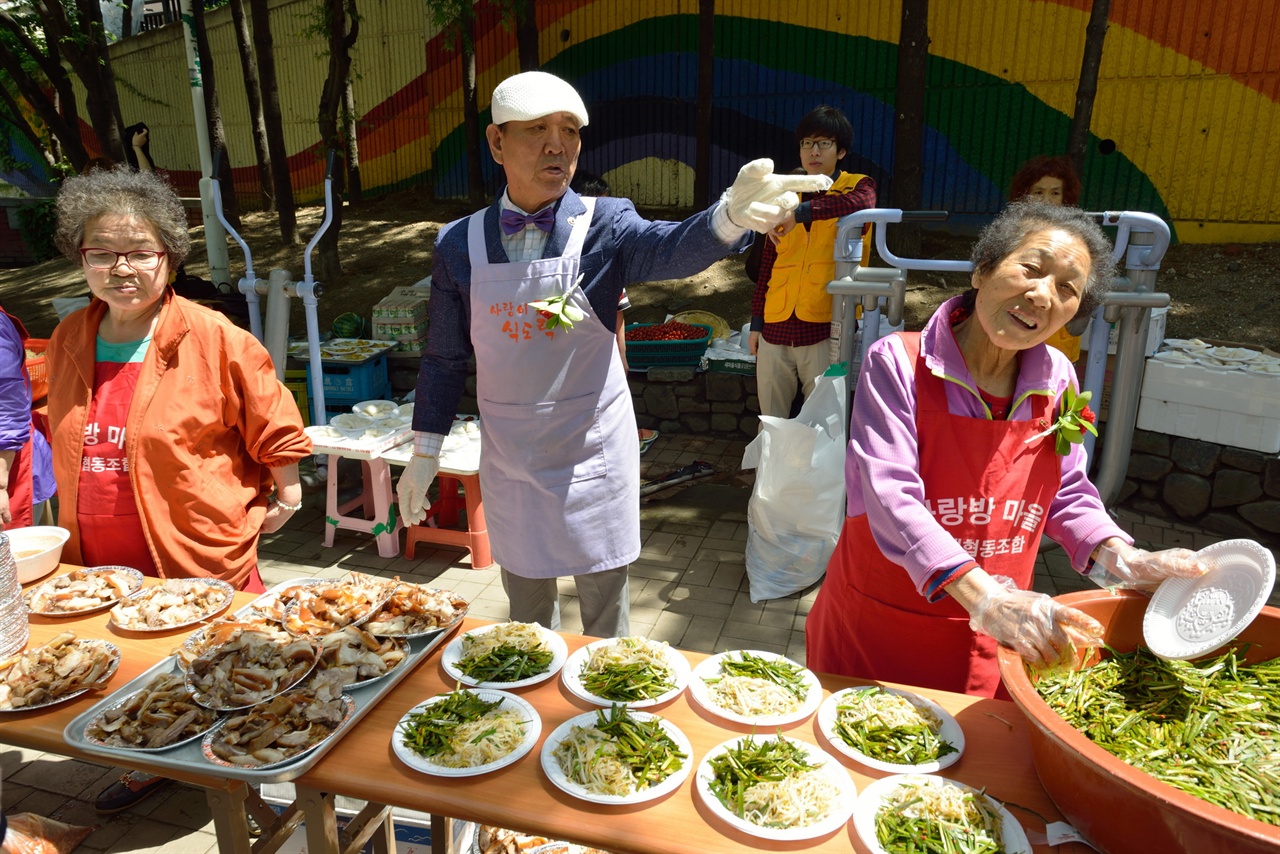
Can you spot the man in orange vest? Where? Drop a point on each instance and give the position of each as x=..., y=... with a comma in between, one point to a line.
x=791, y=309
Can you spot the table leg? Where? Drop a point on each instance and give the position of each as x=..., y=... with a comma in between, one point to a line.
x=229, y=823
x=385, y=511
x=441, y=834
x=321, y=819
x=331, y=512
x=477, y=528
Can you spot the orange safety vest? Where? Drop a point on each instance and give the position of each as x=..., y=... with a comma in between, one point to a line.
x=804, y=266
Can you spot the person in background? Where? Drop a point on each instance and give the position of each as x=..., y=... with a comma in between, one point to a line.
x=174, y=445
x=1052, y=180
x=590, y=184
x=137, y=138
x=26, y=469
x=790, y=307
x=530, y=287
x=954, y=470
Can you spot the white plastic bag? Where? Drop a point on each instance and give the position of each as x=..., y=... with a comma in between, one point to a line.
x=797, y=506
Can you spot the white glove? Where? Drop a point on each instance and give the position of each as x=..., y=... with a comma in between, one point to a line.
x=1042, y=631
x=1118, y=564
x=759, y=200
x=413, y=486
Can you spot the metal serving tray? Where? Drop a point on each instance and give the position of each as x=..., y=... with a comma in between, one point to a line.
x=189, y=758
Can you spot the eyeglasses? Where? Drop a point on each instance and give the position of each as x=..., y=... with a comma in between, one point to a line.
x=138, y=259
x=820, y=144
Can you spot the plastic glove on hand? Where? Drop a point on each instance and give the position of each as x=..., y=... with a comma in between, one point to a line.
x=412, y=488
x=1118, y=564
x=1042, y=631
x=759, y=200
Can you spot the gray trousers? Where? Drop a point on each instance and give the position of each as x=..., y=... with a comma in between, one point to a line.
x=604, y=597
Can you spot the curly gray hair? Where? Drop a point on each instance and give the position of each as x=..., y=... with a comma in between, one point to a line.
x=121, y=192
x=1025, y=217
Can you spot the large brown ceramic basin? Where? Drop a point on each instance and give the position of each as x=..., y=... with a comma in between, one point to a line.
x=1120, y=809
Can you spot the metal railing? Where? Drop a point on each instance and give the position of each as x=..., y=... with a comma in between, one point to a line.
x=1141, y=240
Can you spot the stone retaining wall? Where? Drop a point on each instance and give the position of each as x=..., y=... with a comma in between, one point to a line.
x=1230, y=491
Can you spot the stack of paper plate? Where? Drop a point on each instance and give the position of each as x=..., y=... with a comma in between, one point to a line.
x=14, y=627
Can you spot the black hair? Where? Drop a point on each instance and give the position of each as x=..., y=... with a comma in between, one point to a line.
x=829, y=122
x=589, y=184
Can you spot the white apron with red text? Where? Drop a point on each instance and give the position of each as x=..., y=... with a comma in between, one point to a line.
x=560, y=469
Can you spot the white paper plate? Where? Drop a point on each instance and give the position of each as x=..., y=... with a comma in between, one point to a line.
x=864, y=813
x=1190, y=617
x=705, y=695
x=1233, y=354
x=453, y=654
x=949, y=731
x=572, y=676
x=375, y=409
x=1194, y=345
x=1176, y=357
x=510, y=703
x=552, y=769
x=1213, y=364
x=840, y=810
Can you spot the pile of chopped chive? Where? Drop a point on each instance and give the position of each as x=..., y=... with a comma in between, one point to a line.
x=785, y=674
x=430, y=732
x=646, y=748
x=506, y=663
x=1211, y=728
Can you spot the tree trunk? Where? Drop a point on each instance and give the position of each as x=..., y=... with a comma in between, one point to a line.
x=706, y=84
x=338, y=15
x=84, y=47
x=213, y=115
x=249, y=69
x=908, y=124
x=67, y=135
x=527, y=35
x=274, y=125
x=471, y=117
x=350, y=125
x=1095, y=34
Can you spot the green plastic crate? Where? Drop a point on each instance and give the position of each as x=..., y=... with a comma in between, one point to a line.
x=648, y=354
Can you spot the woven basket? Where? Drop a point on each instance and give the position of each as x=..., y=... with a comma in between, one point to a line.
x=36, y=368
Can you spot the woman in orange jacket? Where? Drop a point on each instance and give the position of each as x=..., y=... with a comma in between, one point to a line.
x=174, y=445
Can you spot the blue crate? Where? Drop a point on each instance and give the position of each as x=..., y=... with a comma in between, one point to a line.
x=352, y=382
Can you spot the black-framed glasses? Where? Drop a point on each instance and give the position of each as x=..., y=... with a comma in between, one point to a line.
x=106, y=259
x=820, y=144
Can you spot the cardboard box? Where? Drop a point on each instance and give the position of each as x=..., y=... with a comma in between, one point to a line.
x=1155, y=333
x=1226, y=407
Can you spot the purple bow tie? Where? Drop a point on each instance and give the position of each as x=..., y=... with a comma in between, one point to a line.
x=513, y=222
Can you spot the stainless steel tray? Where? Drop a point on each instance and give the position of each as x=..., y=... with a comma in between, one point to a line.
x=189, y=758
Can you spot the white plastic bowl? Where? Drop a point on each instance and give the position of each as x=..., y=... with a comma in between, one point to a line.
x=37, y=550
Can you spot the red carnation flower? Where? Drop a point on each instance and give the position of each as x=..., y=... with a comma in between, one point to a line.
x=1087, y=415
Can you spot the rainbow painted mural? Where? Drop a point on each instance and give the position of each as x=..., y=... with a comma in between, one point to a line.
x=1186, y=122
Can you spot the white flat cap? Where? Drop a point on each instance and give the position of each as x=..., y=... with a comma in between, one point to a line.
x=534, y=94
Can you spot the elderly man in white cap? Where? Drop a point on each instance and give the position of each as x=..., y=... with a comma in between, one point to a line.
x=530, y=286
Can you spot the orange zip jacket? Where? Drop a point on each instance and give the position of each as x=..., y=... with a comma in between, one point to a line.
x=207, y=421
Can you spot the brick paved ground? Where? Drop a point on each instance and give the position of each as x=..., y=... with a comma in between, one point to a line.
x=689, y=588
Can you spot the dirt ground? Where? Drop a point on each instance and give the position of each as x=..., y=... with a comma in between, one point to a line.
x=1222, y=291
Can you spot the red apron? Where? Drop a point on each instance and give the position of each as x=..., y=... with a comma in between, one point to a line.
x=991, y=492
x=20, y=487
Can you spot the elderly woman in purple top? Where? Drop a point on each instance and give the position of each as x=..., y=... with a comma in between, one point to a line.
x=954, y=471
